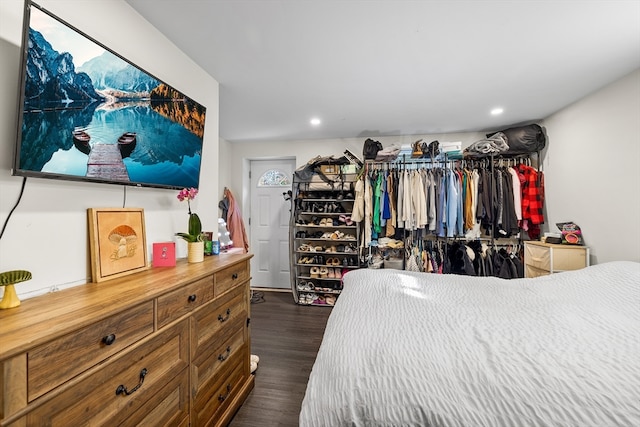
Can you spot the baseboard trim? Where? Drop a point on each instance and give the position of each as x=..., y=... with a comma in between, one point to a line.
x=271, y=290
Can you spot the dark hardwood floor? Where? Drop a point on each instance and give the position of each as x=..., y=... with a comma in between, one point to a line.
x=286, y=337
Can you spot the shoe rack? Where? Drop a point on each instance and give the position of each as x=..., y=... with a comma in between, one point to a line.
x=323, y=242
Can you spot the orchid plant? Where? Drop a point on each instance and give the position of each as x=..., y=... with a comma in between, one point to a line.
x=195, y=226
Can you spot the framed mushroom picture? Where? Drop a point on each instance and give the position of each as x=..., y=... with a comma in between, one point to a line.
x=117, y=241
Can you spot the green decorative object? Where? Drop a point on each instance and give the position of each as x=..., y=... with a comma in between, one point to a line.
x=8, y=279
x=195, y=226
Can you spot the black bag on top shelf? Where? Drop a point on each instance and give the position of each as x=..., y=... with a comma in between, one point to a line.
x=523, y=139
x=371, y=148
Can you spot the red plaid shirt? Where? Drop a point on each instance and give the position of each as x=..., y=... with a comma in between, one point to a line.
x=532, y=194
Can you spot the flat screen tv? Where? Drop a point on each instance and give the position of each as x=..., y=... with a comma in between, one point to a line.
x=88, y=114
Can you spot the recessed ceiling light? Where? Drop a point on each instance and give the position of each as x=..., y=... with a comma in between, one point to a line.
x=315, y=121
x=496, y=111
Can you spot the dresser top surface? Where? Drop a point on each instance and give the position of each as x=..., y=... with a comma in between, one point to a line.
x=554, y=245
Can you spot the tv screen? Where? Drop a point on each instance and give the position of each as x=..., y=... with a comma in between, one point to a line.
x=86, y=113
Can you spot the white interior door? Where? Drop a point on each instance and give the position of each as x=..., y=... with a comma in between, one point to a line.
x=269, y=222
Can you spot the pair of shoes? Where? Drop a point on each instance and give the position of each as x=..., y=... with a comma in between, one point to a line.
x=306, y=298
x=330, y=299
x=314, y=272
x=301, y=235
x=337, y=235
x=253, y=362
x=332, y=207
x=416, y=152
x=346, y=219
x=323, y=271
x=333, y=261
x=305, y=248
x=348, y=237
x=305, y=260
x=325, y=222
x=430, y=150
x=306, y=287
x=335, y=273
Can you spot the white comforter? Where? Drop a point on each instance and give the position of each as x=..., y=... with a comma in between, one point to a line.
x=415, y=349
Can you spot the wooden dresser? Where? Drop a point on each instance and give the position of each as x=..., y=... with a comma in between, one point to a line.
x=545, y=258
x=164, y=347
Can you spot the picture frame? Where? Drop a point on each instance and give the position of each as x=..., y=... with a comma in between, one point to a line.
x=117, y=242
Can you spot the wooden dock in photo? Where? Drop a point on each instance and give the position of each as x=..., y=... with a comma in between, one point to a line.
x=105, y=162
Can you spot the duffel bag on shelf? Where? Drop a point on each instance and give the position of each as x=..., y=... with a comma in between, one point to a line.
x=524, y=139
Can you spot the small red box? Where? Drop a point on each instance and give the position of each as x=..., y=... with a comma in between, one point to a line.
x=164, y=254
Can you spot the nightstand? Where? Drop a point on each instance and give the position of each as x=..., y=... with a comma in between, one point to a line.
x=541, y=258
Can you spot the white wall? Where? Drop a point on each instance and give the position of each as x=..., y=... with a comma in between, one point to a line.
x=592, y=169
x=47, y=234
x=224, y=169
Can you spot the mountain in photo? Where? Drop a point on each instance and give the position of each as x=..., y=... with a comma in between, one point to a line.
x=117, y=77
x=51, y=78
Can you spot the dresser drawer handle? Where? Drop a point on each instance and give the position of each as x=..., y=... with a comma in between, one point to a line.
x=222, y=357
x=109, y=339
x=123, y=390
x=192, y=298
x=224, y=319
x=234, y=276
x=222, y=397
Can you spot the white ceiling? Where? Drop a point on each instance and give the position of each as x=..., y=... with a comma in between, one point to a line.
x=373, y=68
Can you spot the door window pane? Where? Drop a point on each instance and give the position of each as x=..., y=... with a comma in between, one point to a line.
x=274, y=178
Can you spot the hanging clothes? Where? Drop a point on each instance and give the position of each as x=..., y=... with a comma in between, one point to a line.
x=418, y=203
x=368, y=206
x=391, y=221
x=235, y=224
x=357, y=213
x=532, y=200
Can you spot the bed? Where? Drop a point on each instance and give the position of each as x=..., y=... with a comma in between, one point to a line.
x=416, y=349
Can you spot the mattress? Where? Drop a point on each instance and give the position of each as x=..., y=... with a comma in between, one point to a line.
x=416, y=349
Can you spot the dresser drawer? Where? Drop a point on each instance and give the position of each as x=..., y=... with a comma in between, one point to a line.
x=96, y=400
x=216, y=317
x=177, y=303
x=211, y=364
x=538, y=256
x=531, y=271
x=168, y=407
x=51, y=364
x=230, y=277
x=569, y=258
x=214, y=400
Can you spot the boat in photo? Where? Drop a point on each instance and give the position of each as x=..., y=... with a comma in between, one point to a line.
x=81, y=140
x=126, y=143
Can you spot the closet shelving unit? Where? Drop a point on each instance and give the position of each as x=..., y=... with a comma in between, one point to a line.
x=490, y=162
x=323, y=242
